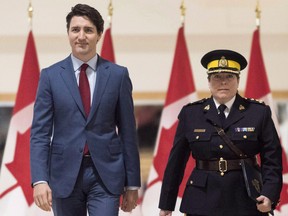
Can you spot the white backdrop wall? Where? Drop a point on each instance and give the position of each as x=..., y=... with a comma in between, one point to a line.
x=144, y=35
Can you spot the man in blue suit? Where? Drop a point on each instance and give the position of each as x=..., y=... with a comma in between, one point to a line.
x=83, y=157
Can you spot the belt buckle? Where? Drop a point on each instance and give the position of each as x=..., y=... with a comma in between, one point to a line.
x=221, y=133
x=222, y=166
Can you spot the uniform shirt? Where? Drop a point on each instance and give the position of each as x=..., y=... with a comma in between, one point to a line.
x=228, y=105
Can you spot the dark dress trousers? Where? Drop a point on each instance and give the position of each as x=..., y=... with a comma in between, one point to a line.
x=250, y=127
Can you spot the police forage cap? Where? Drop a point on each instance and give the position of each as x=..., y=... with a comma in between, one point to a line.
x=223, y=61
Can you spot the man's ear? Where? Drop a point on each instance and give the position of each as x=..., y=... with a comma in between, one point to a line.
x=99, y=36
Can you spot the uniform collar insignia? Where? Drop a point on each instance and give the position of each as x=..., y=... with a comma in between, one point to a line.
x=207, y=107
x=241, y=107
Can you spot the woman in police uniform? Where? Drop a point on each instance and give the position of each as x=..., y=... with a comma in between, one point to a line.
x=248, y=123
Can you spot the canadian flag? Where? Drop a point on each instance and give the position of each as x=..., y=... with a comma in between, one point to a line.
x=16, y=194
x=107, y=51
x=181, y=91
x=257, y=87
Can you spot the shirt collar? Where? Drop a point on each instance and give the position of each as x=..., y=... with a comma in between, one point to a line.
x=77, y=62
x=228, y=104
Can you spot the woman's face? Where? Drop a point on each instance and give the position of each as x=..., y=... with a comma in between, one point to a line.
x=223, y=86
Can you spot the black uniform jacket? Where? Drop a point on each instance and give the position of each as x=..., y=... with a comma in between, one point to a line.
x=250, y=127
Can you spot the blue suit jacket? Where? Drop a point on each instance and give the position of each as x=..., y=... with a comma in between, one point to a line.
x=60, y=129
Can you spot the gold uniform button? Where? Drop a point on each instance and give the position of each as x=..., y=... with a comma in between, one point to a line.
x=221, y=146
x=191, y=182
x=245, y=137
x=197, y=137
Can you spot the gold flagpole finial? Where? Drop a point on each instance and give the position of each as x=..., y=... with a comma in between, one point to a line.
x=183, y=12
x=30, y=13
x=258, y=14
x=110, y=12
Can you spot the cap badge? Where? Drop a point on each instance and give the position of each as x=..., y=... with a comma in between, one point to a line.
x=223, y=62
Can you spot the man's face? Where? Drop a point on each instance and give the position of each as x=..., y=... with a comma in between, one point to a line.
x=223, y=86
x=83, y=37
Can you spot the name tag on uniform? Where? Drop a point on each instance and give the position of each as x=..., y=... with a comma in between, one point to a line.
x=245, y=129
x=199, y=130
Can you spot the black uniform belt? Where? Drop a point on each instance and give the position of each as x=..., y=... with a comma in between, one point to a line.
x=222, y=165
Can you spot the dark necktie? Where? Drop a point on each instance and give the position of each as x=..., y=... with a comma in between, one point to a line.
x=85, y=95
x=84, y=89
x=222, y=116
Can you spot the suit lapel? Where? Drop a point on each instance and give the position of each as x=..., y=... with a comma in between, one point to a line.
x=70, y=81
x=103, y=74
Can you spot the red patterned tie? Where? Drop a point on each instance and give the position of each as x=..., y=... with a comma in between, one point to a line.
x=85, y=95
x=84, y=89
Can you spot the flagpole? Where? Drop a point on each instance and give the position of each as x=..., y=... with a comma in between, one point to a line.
x=258, y=14
x=183, y=12
x=107, y=50
x=110, y=13
x=30, y=14
x=181, y=91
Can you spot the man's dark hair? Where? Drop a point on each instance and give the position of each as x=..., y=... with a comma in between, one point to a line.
x=90, y=12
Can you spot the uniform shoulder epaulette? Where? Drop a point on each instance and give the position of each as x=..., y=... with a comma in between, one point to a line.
x=252, y=100
x=198, y=102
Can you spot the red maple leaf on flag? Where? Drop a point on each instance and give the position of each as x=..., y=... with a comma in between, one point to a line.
x=181, y=84
x=20, y=167
x=181, y=90
x=15, y=172
x=163, y=151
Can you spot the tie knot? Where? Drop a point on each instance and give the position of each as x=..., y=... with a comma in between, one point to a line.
x=84, y=67
x=222, y=107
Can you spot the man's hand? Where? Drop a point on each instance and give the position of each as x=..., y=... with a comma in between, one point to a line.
x=165, y=213
x=42, y=195
x=264, y=204
x=129, y=201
